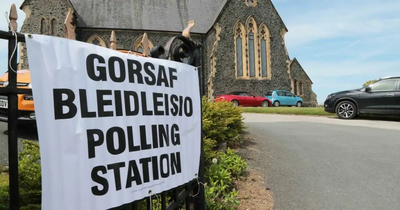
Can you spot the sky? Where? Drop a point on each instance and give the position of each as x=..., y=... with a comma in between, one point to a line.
x=340, y=44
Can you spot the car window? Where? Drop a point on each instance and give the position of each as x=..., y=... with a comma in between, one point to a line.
x=289, y=94
x=245, y=94
x=384, y=85
x=281, y=93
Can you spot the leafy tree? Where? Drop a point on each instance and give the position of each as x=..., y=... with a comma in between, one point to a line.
x=369, y=82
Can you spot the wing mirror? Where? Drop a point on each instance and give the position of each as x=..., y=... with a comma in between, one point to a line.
x=368, y=89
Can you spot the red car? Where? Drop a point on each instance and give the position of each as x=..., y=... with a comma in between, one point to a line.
x=241, y=98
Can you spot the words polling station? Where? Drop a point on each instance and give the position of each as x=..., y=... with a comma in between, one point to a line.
x=122, y=103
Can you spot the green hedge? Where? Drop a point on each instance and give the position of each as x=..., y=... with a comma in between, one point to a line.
x=222, y=122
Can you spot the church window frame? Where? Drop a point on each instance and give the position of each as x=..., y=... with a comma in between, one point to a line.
x=97, y=40
x=137, y=45
x=251, y=3
x=265, y=52
x=53, y=26
x=43, y=23
x=252, y=54
x=301, y=90
x=240, y=51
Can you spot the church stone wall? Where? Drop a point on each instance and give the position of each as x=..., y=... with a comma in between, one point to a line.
x=298, y=74
x=35, y=10
x=225, y=79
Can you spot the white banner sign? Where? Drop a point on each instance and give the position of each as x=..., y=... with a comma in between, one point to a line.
x=113, y=127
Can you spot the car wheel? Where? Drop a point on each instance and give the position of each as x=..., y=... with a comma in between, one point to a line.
x=346, y=110
x=276, y=103
x=299, y=104
x=264, y=104
x=235, y=103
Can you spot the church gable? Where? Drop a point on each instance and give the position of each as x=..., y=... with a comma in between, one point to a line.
x=157, y=15
x=251, y=54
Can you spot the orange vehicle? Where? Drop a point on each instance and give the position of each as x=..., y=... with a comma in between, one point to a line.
x=26, y=108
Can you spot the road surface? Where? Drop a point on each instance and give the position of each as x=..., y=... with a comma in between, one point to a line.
x=325, y=163
x=24, y=132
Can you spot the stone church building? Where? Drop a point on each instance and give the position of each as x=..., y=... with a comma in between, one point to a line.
x=243, y=40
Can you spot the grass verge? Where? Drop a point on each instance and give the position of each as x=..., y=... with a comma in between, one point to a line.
x=318, y=111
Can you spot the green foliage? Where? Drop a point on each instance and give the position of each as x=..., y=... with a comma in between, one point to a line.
x=369, y=82
x=29, y=179
x=220, y=194
x=233, y=163
x=222, y=122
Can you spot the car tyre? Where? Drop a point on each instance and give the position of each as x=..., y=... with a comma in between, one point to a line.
x=264, y=104
x=235, y=103
x=299, y=104
x=346, y=110
x=276, y=103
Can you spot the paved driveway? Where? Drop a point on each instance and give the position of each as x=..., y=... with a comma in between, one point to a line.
x=24, y=132
x=320, y=163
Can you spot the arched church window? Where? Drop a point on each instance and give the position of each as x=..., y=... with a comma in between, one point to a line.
x=301, y=88
x=252, y=47
x=265, y=51
x=43, y=26
x=252, y=60
x=295, y=87
x=251, y=2
x=53, y=26
x=96, y=40
x=138, y=45
x=239, y=46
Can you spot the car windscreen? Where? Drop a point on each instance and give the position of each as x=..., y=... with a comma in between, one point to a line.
x=268, y=93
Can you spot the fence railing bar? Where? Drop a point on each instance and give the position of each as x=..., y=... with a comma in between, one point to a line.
x=182, y=196
x=187, y=199
x=14, y=90
x=163, y=201
x=149, y=203
x=12, y=128
x=9, y=36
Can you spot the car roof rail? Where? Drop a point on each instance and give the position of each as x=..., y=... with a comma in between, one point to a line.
x=389, y=77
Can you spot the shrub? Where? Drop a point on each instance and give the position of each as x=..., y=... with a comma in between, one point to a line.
x=29, y=179
x=369, y=82
x=220, y=192
x=222, y=122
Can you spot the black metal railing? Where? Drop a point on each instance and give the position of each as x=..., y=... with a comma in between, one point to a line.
x=178, y=48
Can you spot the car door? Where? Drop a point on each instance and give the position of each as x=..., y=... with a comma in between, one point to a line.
x=380, y=99
x=290, y=99
x=244, y=99
x=396, y=107
x=251, y=99
x=281, y=97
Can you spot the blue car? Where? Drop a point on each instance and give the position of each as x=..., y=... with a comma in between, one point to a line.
x=284, y=98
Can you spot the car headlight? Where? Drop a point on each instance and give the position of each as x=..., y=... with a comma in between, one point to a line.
x=330, y=96
x=30, y=85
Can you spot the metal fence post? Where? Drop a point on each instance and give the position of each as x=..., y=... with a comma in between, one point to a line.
x=13, y=113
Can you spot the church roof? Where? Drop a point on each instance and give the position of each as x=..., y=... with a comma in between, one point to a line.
x=158, y=15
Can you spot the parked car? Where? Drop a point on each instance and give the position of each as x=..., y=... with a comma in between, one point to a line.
x=381, y=97
x=284, y=98
x=26, y=110
x=242, y=98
